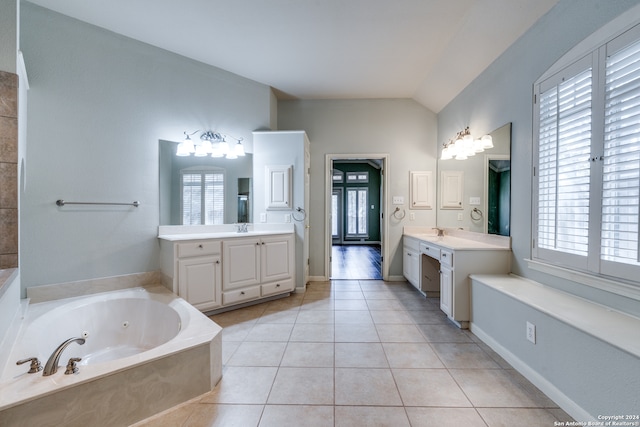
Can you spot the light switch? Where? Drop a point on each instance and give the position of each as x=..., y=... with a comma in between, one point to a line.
x=474, y=201
x=398, y=200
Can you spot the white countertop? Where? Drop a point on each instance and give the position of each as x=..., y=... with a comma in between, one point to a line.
x=226, y=231
x=459, y=239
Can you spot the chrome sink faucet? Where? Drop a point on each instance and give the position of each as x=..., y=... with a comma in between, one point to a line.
x=51, y=367
x=440, y=231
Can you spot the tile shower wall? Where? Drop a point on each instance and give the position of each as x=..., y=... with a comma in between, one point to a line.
x=8, y=170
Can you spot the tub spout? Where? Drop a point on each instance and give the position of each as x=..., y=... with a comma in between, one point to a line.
x=51, y=367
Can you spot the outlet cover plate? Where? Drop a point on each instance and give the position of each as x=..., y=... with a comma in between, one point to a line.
x=531, y=332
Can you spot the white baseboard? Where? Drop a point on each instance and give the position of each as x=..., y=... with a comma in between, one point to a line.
x=318, y=279
x=567, y=405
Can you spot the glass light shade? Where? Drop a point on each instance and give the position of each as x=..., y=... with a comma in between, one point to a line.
x=184, y=149
x=478, y=147
x=239, y=149
x=462, y=155
x=224, y=147
x=215, y=150
x=201, y=151
x=467, y=145
x=232, y=155
x=487, y=142
x=446, y=154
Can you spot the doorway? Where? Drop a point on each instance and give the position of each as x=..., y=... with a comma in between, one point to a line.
x=356, y=224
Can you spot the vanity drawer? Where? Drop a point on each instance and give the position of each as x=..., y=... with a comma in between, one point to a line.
x=277, y=287
x=204, y=247
x=240, y=295
x=446, y=259
x=429, y=250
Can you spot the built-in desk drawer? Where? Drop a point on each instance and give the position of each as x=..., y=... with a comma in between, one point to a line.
x=429, y=250
x=204, y=247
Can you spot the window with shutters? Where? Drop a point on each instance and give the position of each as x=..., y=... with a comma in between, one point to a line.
x=587, y=165
x=202, y=194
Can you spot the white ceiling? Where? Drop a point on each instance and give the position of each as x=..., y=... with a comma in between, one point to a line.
x=428, y=50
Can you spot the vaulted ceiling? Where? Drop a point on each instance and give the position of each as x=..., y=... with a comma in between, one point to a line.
x=428, y=50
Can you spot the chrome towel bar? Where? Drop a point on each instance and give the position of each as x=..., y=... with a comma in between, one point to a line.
x=61, y=202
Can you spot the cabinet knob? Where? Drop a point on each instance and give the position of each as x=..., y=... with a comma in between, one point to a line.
x=278, y=285
x=241, y=292
x=217, y=261
x=262, y=243
x=200, y=246
x=444, y=255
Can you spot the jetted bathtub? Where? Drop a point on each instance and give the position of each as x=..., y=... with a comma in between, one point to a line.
x=145, y=350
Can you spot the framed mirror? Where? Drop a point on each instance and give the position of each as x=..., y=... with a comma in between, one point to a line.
x=484, y=187
x=235, y=189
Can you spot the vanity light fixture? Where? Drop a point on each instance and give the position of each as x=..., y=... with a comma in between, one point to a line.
x=212, y=144
x=464, y=146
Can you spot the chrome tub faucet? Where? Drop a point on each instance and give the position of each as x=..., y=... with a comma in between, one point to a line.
x=51, y=367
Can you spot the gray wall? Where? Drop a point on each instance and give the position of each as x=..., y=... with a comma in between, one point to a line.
x=401, y=128
x=504, y=93
x=98, y=105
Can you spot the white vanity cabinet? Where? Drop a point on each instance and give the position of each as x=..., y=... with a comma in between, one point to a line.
x=199, y=273
x=217, y=273
x=447, y=261
x=411, y=261
x=257, y=267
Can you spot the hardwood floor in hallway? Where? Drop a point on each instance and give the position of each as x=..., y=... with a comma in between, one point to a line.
x=356, y=262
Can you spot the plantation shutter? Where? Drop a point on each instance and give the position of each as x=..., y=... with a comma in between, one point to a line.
x=621, y=169
x=564, y=165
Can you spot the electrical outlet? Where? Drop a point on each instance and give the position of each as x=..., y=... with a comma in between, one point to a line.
x=287, y=218
x=459, y=217
x=412, y=216
x=531, y=332
x=263, y=217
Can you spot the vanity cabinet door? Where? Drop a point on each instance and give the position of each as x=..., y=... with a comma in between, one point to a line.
x=446, y=290
x=411, y=267
x=199, y=281
x=277, y=258
x=241, y=263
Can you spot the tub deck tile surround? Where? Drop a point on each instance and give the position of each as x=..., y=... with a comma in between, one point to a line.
x=340, y=356
x=8, y=170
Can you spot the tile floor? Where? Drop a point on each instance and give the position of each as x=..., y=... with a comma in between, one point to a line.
x=359, y=353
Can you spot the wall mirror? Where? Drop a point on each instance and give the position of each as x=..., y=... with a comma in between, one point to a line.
x=485, y=188
x=237, y=184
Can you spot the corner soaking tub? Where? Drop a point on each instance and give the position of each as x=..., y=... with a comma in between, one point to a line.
x=145, y=350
